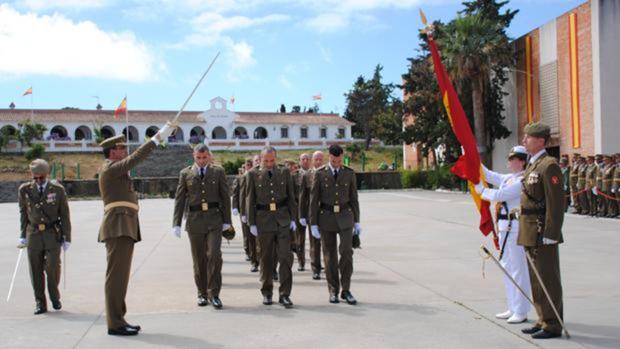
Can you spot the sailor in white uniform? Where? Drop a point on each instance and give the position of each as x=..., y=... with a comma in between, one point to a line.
x=512, y=256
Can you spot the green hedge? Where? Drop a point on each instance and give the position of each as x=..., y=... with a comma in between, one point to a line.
x=437, y=178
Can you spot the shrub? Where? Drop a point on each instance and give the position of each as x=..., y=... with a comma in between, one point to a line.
x=232, y=167
x=36, y=151
x=413, y=179
x=440, y=177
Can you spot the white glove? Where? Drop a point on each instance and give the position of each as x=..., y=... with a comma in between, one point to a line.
x=303, y=222
x=549, y=241
x=176, y=231
x=479, y=187
x=314, y=229
x=357, y=229
x=225, y=226
x=613, y=190
x=253, y=230
x=22, y=241
x=235, y=212
x=594, y=191
x=244, y=219
x=165, y=132
x=66, y=245
x=293, y=226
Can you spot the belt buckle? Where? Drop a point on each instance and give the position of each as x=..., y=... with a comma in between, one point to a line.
x=41, y=227
x=336, y=208
x=272, y=206
x=205, y=206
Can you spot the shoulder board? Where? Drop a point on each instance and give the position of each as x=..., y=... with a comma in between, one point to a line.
x=25, y=185
x=348, y=168
x=321, y=168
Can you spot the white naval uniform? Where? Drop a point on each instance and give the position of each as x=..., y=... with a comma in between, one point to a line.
x=513, y=259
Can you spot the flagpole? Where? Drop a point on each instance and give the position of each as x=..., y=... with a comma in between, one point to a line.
x=127, y=124
x=31, y=105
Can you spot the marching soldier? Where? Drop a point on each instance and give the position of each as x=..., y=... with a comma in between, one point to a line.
x=304, y=166
x=334, y=212
x=540, y=229
x=600, y=172
x=45, y=227
x=591, y=171
x=298, y=239
x=581, y=187
x=253, y=164
x=607, y=180
x=237, y=203
x=574, y=177
x=203, y=190
x=304, y=210
x=120, y=228
x=271, y=206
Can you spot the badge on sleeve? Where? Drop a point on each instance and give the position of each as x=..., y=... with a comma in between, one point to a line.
x=555, y=180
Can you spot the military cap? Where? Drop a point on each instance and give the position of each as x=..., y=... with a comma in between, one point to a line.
x=607, y=156
x=576, y=155
x=537, y=129
x=598, y=156
x=564, y=160
x=518, y=151
x=590, y=157
x=113, y=141
x=39, y=166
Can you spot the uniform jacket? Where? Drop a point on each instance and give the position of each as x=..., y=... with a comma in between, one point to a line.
x=304, y=193
x=192, y=191
x=115, y=185
x=262, y=190
x=327, y=190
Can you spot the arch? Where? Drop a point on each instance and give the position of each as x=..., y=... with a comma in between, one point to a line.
x=83, y=133
x=151, y=131
x=240, y=132
x=218, y=133
x=107, y=132
x=9, y=129
x=178, y=136
x=58, y=133
x=260, y=133
x=196, y=135
x=133, y=134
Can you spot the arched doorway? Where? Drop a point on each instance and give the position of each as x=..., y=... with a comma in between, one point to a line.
x=241, y=133
x=178, y=135
x=218, y=133
x=151, y=131
x=260, y=133
x=196, y=135
x=8, y=130
x=83, y=133
x=58, y=133
x=133, y=134
x=107, y=132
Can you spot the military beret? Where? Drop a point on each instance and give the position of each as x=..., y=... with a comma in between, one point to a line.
x=39, y=166
x=537, y=129
x=113, y=141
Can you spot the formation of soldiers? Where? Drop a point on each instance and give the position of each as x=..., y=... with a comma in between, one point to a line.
x=592, y=184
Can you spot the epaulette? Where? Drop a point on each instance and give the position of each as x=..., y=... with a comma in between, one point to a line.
x=321, y=168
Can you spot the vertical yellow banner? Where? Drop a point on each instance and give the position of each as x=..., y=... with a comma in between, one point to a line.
x=528, y=77
x=574, y=80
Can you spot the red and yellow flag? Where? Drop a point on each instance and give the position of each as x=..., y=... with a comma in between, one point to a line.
x=28, y=91
x=317, y=97
x=122, y=108
x=468, y=165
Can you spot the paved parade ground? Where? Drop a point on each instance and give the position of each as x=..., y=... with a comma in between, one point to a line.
x=418, y=281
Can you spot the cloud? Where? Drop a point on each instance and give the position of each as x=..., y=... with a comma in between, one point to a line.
x=285, y=81
x=55, y=45
x=39, y=5
x=328, y=22
x=211, y=23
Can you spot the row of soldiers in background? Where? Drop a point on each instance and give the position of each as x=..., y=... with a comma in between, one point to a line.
x=592, y=184
x=265, y=196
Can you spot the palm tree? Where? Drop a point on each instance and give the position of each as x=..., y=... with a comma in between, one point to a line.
x=472, y=47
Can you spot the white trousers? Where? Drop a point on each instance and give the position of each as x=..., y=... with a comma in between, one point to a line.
x=515, y=263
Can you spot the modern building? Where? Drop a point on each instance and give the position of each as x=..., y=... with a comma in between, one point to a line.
x=219, y=127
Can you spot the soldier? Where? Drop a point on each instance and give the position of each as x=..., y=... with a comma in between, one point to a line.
x=271, y=214
x=300, y=234
x=581, y=187
x=565, y=167
x=591, y=170
x=120, y=228
x=607, y=182
x=250, y=165
x=45, y=227
x=574, y=177
x=600, y=171
x=304, y=207
x=334, y=212
x=540, y=229
x=615, y=188
x=236, y=205
x=203, y=190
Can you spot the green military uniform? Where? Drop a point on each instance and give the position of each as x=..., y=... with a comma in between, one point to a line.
x=236, y=204
x=574, y=177
x=600, y=199
x=608, y=205
x=566, y=183
x=540, y=230
x=120, y=228
x=243, y=212
x=615, y=187
x=204, y=194
x=271, y=206
x=304, y=210
x=300, y=234
x=334, y=207
x=581, y=187
x=45, y=223
x=591, y=171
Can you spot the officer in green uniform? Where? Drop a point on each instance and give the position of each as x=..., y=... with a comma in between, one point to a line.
x=45, y=227
x=202, y=193
x=607, y=182
x=237, y=203
x=335, y=212
x=591, y=171
x=271, y=206
x=243, y=212
x=540, y=228
x=304, y=209
x=600, y=171
x=565, y=167
x=300, y=238
x=574, y=177
x=615, y=187
x=120, y=228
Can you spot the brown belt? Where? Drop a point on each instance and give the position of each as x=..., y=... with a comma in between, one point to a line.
x=116, y=204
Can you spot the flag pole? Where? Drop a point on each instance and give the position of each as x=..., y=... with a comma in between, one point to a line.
x=31, y=104
x=127, y=125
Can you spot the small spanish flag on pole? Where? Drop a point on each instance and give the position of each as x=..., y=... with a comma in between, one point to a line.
x=28, y=91
x=122, y=108
x=317, y=97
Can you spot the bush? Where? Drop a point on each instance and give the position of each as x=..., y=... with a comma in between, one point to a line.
x=232, y=167
x=413, y=179
x=430, y=179
x=354, y=149
x=36, y=151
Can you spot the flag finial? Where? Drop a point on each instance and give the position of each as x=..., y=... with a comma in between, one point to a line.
x=423, y=18
x=428, y=28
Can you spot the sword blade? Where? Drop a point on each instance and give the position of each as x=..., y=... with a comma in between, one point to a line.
x=488, y=253
x=19, y=257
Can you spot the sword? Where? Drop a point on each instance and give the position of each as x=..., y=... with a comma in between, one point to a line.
x=19, y=258
x=64, y=272
x=488, y=253
x=542, y=285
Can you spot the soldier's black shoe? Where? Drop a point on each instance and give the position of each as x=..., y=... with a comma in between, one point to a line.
x=275, y=275
x=217, y=303
x=286, y=302
x=333, y=299
x=122, y=331
x=347, y=296
x=39, y=309
x=316, y=276
x=247, y=258
x=57, y=305
x=301, y=268
x=267, y=300
x=135, y=327
x=254, y=269
x=202, y=301
x=531, y=330
x=542, y=334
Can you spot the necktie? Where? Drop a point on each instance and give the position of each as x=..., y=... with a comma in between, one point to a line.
x=202, y=173
x=270, y=174
x=40, y=190
x=336, y=174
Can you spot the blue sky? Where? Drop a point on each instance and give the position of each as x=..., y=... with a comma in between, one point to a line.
x=272, y=51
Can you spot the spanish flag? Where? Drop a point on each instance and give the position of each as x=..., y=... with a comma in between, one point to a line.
x=317, y=97
x=28, y=91
x=468, y=165
x=122, y=108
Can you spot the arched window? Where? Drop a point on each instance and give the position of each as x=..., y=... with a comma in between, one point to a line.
x=178, y=136
x=83, y=132
x=151, y=131
x=196, y=135
x=58, y=133
x=260, y=133
x=133, y=134
x=218, y=133
x=107, y=132
x=241, y=133
x=9, y=130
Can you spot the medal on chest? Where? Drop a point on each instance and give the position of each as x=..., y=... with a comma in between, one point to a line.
x=533, y=178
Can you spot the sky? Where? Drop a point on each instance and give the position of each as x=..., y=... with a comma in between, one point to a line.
x=77, y=53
